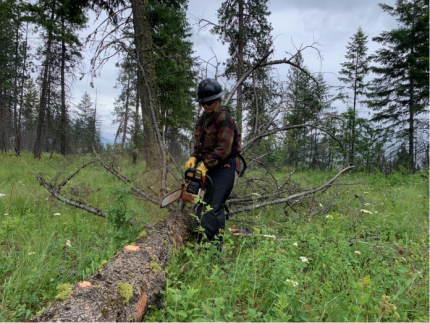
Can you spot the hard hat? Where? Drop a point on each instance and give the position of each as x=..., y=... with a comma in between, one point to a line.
x=209, y=89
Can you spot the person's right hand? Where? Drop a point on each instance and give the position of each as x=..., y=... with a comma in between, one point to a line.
x=191, y=163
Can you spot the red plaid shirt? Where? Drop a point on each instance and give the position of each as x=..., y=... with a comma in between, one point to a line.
x=221, y=140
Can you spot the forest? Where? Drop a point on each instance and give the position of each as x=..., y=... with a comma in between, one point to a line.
x=75, y=200
x=37, y=78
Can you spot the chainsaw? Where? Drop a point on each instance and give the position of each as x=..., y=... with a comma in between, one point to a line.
x=195, y=185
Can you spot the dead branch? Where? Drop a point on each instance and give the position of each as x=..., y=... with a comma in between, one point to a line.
x=294, y=196
x=127, y=181
x=55, y=191
x=63, y=183
x=283, y=183
x=245, y=75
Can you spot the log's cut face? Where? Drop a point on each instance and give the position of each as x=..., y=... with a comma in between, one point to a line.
x=129, y=282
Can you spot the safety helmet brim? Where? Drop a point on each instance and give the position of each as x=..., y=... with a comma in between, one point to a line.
x=213, y=97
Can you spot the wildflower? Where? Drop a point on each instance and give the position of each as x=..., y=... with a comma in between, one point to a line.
x=329, y=216
x=6, y=214
x=57, y=214
x=295, y=244
x=2, y=195
x=376, y=212
x=256, y=194
x=357, y=252
x=366, y=204
x=304, y=259
x=31, y=253
x=321, y=205
x=365, y=211
x=295, y=284
x=68, y=244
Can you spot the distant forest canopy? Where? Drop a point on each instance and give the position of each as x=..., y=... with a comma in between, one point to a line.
x=290, y=123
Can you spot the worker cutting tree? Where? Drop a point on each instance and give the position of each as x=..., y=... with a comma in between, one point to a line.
x=216, y=149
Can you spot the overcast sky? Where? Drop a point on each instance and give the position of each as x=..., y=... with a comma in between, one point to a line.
x=295, y=23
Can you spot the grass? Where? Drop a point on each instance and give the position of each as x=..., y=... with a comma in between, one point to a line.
x=44, y=242
x=343, y=279
x=382, y=275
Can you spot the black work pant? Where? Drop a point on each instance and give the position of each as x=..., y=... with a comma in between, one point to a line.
x=223, y=181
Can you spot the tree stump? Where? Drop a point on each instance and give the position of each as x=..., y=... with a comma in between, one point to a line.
x=129, y=282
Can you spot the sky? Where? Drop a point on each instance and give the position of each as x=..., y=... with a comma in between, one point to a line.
x=296, y=23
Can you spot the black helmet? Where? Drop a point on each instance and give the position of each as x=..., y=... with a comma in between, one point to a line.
x=209, y=89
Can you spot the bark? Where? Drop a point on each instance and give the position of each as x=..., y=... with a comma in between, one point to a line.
x=21, y=98
x=3, y=114
x=142, y=269
x=37, y=150
x=146, y=81
x=63, y=94
x=124, y=130
x=240, y=47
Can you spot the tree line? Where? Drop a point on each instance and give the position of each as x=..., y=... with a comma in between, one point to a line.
x=290, y=120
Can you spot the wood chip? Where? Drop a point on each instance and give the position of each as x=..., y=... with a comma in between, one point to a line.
x=132, y=248
x=85, y=284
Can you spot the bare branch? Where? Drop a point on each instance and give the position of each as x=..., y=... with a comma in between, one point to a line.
x=78, y=204
x=127, y=181
x=292, y=197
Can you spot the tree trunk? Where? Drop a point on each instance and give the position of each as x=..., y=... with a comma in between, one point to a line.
x=124, y=131
x=146, y=82
x=21, y=99
x=15, y=88
x=240, y=47
x=3, y=113
x=37, y=150
x=63, y=120
x=136, y=130
x=142, y=269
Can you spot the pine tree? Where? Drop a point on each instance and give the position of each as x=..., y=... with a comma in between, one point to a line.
x=85, y=130
x=354, y=71
x=306, y=102
x=173, y=69
x=400, y=93
x=243, y=25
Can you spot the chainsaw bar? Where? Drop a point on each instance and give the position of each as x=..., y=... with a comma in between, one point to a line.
x=172, y=197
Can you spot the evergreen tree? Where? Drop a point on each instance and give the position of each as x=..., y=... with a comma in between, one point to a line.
x=306, y=102
x=126, y=101
x=10, y=69
x=173, y=69
x=400, y=93
x=354, y=70
x=243, y=25
x=85, y=129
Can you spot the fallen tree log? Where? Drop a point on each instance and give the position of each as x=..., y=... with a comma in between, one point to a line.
x=129, y=282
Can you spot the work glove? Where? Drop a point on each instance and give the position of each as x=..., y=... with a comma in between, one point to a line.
x=203, y=169
x=191, y=163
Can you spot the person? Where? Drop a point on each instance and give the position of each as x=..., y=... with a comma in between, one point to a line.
x=217, y=143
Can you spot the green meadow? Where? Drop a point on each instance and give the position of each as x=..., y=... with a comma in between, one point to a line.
x=365, y=259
